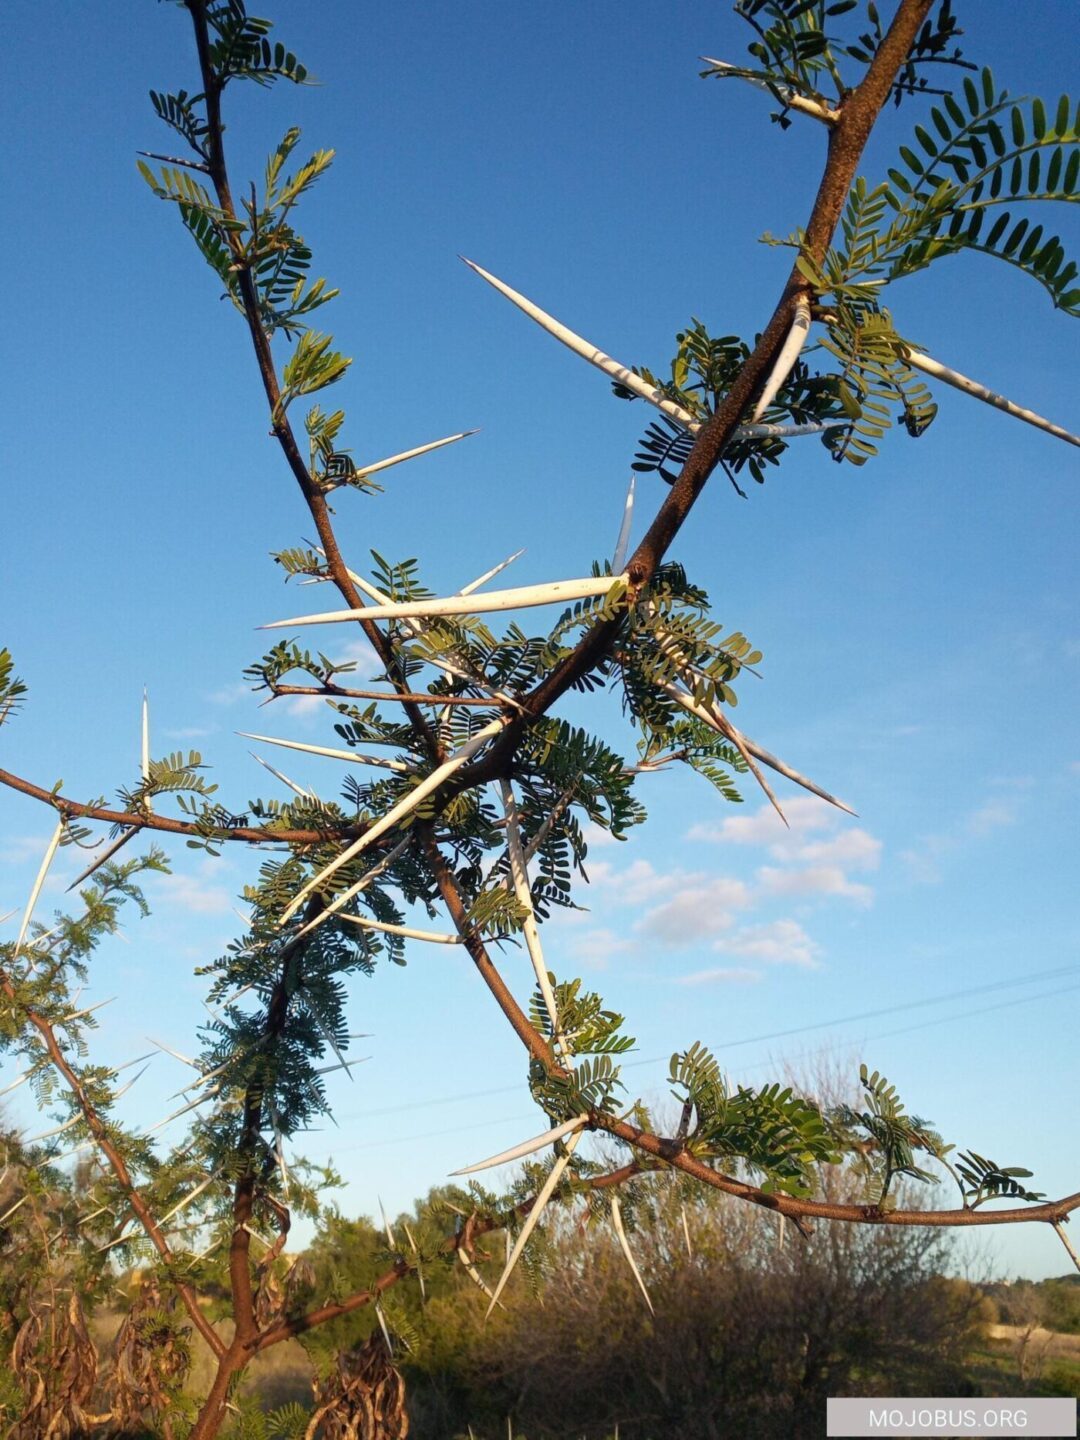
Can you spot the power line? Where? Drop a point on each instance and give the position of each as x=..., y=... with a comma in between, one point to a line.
x=964, y=994
x=757, y=1065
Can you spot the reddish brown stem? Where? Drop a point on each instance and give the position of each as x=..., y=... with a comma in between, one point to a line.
x=100, y=1135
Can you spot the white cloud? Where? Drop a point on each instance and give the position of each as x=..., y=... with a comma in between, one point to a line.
x=635, y=883
x=738, y=974
x=804, y=814
x=924, y=859
x=191, y=732
x=780, y=942
x=696, y=911
x=855, y=848
x=194, y=893
x=817, y=880
x=230, y=694
x=597, y=946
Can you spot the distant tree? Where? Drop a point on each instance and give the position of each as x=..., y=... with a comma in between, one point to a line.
x=470, y=792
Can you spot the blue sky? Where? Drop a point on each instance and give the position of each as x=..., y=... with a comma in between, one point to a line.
x=918, y=617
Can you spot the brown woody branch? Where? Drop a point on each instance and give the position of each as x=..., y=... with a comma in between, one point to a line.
x=474, y=1226
x=117, y=1164
x=140, y=820
x=673, y=1153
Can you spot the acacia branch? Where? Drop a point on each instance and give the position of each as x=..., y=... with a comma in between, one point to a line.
x=475, y=1225
x=281, y=429
x=673, y=1153
x=141, y=820
x=117, y=1164
x=847, y=139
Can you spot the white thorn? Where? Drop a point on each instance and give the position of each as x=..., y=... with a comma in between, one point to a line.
x=527, y=1147
x=625, y=377
x=618, y=560
x=361, y=884
x=490, y=574
x=474, y=1274
x=433, y=937
x=386, y=1225
x=789, y=354
x=107, y=854
x=801, y=103
x=686, y=1233
x=930, y=366
x=57, y=1130
x=622, y=374
x=616, y=1220
x=296, y=789
x=174, y=1053
x=19, y=1080
x=546, y=1192
x=382, y=1326
x=187, y=1200
x=50, y=851
x=125, y=1088
x=120, y=1240
x=377, y=465
x=89, y=1010
x=352, y=756
x=522, y=597
x=417, y=630
x=404, y=807
x=145, y=735
x=7, y=916
x=523, y=894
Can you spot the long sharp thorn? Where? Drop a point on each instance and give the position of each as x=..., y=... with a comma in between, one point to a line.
x=353, y=756
x=19, y=1080
x=296, y=789
x=89, y=1010
x=686, y=1234
x=398, y=812
x=802, y=103
x=474, y=1274
x=386, y=1225
x=187, y=1200
x=618, y=560
x=789, y=354
x=50, y=851
x=760, y=753
x=622, y=374
x=523, y=894
x=174, y=1053
x=521, y=597
x=145, y=766
x=1059, y=1230
x=56, y=1130
x=107, y=854
x=382, y=1326
x=546, y=1192
x=377, y=465
x=432, y=937
x=620, y=1231
x=527, y=1147
x=365, y=880
x=125, y=1088
x=929, y=366
x=7, y=916
x=490, y=574
x=714, y=717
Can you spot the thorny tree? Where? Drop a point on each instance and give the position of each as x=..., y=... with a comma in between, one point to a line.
x=470, y=792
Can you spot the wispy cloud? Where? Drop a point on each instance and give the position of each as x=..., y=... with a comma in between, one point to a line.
x=695, y=911
x=925, y=859
x=196, y=893
x=738, y=974
x=779, y=942
x=816, y=880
